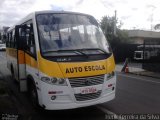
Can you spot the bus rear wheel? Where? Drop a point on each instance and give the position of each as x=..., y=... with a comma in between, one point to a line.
x=12, y=74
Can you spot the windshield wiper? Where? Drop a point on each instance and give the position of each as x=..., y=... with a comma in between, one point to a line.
x=71, y=50
x=95, y=49
x=79, y=51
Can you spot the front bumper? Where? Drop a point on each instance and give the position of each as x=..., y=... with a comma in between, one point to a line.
x=65, y=95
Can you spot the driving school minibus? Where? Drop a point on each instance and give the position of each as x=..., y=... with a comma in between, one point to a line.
x=62, y=59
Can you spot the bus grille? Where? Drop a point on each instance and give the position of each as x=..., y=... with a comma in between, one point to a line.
x=90, y=96
x=86, y=81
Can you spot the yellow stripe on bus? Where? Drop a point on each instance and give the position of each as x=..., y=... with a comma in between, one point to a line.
x=11, y=52
x=76, y=69
x=30, y=61
x=27, y=59
x=21, y=57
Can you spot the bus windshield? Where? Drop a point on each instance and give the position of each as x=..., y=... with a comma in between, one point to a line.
x=69, y=32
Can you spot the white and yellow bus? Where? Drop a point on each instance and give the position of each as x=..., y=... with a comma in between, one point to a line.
x=62, y=59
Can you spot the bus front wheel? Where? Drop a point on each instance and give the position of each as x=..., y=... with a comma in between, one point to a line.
x=33, y=94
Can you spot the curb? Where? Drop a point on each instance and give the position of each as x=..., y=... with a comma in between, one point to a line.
x=143, y=75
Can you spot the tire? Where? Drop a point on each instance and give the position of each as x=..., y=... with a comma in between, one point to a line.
x=33, y=94
x=12, y=74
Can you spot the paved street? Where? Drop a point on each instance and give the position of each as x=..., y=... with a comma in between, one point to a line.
x=135, y=94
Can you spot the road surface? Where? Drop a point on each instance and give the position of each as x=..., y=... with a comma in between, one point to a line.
x=136, y=94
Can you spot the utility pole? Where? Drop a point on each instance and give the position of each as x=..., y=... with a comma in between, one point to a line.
x=115, y=20
x=152, y=7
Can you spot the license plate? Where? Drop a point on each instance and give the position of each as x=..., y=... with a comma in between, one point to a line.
x=88, y=90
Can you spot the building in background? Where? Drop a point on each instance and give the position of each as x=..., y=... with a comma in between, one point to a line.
x=148, y=48
x=139, y=36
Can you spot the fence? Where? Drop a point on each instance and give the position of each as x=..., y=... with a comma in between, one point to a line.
x=123, y=51
x=151, y=59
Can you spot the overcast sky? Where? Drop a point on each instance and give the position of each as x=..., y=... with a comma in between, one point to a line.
x=134, y=14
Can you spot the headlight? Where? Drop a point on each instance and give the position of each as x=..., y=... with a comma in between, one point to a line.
x=54, y=81
x=61, y=81
x=110, y=75
x=46, y=79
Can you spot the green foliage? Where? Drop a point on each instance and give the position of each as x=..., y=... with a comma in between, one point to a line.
x=157, y=27
x=107, y=24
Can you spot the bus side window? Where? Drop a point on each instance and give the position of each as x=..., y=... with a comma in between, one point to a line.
x=30, y=41
x=22, y=39
x=10, y=39
x=14, y=39
x=7, y=42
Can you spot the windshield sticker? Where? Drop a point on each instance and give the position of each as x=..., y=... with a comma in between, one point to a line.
x=85, y=69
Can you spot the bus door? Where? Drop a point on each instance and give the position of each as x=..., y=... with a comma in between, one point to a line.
x=26, y=53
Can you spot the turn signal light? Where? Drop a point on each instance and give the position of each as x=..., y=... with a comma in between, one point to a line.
x=110, y=85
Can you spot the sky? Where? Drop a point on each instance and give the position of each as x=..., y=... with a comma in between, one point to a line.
x=133, y=14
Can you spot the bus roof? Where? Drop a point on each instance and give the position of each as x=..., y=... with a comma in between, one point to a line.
x=33, y=14
x=51, y=11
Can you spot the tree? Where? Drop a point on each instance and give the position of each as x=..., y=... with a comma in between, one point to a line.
x=107, y=24
x=157, y=27
x=119, y=41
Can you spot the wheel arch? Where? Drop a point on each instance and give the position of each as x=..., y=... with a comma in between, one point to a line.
x=30, y=83
x=30, y=80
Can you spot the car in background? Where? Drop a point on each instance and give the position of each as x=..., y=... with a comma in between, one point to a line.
x=2, y=46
